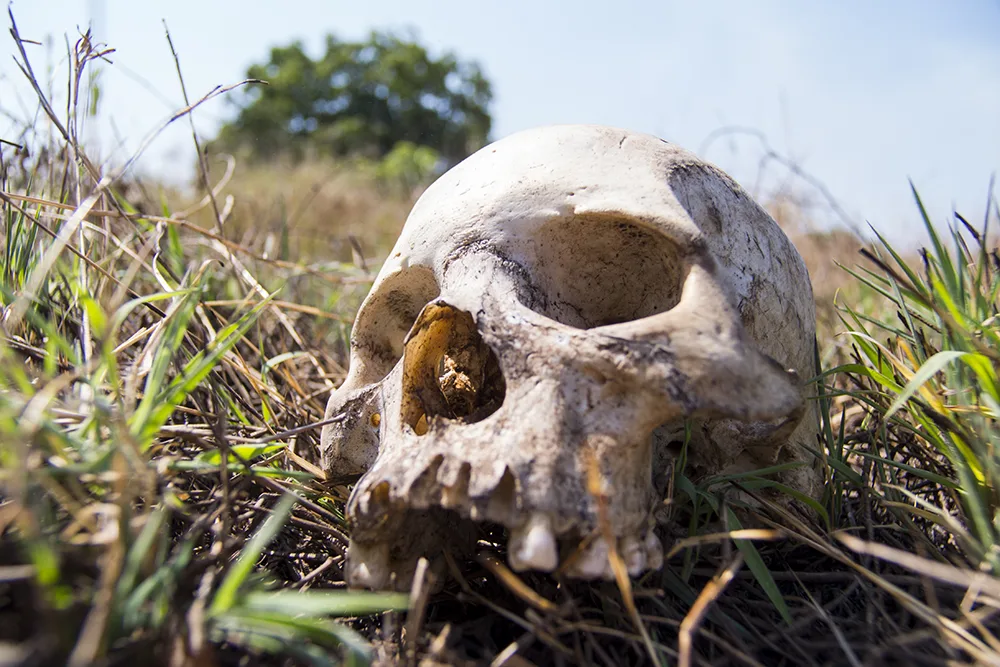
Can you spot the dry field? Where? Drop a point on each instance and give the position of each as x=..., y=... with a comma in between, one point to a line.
x=164, y=366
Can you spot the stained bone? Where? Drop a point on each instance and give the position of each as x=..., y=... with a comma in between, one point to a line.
x=569, y=294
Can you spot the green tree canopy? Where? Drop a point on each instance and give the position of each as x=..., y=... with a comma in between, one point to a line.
x=361, y=98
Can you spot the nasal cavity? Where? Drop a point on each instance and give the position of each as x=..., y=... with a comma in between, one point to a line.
x=448, y=370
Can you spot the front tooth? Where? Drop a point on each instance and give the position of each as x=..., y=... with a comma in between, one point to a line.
x=533, y=546
x=654, y=551
x=368, y=565
x=593, y=562
x=634, y=555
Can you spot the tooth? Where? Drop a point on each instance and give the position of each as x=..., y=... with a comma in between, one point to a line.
x=368, y=565
x=502, y=503
x=634, y=555
x=593, y=562
x=453, y=496
x=533, y=546
x=654, y=551
x=376, y=499
x=455, y=490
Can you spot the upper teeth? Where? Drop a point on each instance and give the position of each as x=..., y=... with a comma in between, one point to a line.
x=533, y=546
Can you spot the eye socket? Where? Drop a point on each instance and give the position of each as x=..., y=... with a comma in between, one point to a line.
x=387, y=315
x=448, y=370
x=593, y=271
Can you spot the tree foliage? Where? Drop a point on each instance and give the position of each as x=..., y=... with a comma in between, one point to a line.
x=361, y=98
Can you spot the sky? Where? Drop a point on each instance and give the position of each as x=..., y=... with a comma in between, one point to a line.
x=864, y=96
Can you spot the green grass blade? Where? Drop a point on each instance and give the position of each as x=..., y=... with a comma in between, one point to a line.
x=759, y=570
x=291, y=630
x=923, y=374
x=140, y=550
x=919, y=472
x=326, y=603
x=238, y=468
x=161, y=407
x=238, y=572
x=902, y=264
x=178, y=316
x=940, y=252
x=245, y=453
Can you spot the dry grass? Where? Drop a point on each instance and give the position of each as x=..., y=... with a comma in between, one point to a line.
x=163, y=375
x=309, y=211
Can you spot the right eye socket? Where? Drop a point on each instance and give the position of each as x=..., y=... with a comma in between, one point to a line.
x=599, y=270
x=388, y=314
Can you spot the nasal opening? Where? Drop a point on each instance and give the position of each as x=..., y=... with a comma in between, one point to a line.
x=448, y=370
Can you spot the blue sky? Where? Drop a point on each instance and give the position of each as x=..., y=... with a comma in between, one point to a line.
x=864, y=95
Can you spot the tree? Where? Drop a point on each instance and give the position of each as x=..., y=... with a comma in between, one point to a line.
x=361, y=98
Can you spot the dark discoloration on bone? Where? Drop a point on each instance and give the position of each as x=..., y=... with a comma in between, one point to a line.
x=351, y=443
x=448, y=370
x=520, y=277
x=603, y=269
x=386, y=316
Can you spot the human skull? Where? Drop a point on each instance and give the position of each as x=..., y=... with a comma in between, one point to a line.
x=567, y=302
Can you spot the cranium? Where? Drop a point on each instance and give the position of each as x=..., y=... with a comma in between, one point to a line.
x=569, y=303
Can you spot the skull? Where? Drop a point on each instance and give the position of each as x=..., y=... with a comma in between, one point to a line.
x=562, y=312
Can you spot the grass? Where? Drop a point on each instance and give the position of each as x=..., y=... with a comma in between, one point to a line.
x=164, y=367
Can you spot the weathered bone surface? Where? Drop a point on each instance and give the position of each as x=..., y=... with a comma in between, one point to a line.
x=558, y=304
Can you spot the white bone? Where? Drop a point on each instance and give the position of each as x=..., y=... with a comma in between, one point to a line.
x=593, y=562
x=570, y=297
x=533, y=546
x=368, y=566
x=634, y=554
